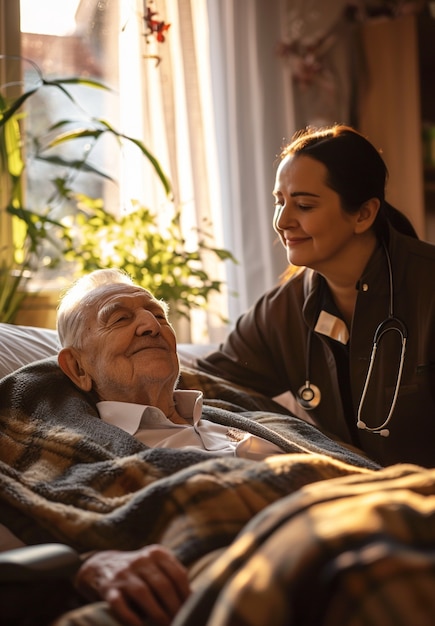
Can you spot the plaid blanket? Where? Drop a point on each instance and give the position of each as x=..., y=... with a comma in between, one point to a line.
x=65, y=475
x=319, y=535
x=355, y=551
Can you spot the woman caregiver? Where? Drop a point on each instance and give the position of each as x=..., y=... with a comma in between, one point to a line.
x=351, y=332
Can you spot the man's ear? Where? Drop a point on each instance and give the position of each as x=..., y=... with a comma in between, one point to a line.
x=366, y=215
x=70, y=364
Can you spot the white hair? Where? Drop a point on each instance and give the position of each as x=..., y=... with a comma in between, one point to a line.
x=77, y=299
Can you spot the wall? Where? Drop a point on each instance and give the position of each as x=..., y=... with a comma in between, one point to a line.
x=426, y=49
x=390, y=111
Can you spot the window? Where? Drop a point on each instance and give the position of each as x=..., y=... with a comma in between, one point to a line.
x=105, y=40
x=73, y=38
x=93, y=40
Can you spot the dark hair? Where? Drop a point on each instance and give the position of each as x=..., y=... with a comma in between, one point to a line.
x=356, y=171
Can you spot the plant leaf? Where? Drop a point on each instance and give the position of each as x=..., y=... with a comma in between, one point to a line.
x=75, y=164
x=6, y=114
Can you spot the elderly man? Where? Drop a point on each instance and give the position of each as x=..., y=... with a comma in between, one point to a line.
x=118, y=344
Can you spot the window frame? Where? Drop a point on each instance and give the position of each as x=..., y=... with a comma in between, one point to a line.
x=10, y=45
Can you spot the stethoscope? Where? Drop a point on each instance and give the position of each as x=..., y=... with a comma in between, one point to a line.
x=309, y=395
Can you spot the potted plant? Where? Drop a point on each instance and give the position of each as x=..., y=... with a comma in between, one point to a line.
x=85, y=232
x=155, y=255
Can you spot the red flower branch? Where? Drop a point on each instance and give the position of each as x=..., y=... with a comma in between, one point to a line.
x=154, y=26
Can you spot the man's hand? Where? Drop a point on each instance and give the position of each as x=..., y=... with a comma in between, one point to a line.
x=149, y=582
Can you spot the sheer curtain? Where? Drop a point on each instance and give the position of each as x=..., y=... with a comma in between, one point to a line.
x=253, y=105
x=217, y=109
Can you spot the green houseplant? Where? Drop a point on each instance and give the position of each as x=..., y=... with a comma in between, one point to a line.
x=36, y=235
x=84, y=231
x=155, y=256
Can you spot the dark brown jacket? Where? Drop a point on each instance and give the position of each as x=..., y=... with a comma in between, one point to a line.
x=267, y=351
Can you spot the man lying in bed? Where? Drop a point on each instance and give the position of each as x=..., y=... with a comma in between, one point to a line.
x=118, y=344
x=119, y=348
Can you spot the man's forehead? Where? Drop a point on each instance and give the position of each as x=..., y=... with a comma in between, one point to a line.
x=122, y=293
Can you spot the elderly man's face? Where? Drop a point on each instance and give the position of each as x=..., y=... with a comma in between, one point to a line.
x=129, y=348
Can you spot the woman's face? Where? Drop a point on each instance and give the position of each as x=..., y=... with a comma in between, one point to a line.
x=309, y=218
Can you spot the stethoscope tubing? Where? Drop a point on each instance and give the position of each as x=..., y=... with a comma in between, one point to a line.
x=309, y=396
x=380, y=332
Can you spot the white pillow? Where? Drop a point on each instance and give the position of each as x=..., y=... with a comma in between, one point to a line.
x=20, y=345
x=189, y=352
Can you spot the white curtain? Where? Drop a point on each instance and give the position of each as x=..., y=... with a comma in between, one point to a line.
x=253, y=103
x=217, y=109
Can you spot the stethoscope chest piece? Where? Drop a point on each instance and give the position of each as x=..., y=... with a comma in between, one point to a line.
x=308, y=396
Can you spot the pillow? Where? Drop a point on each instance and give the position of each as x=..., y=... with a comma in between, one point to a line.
x=189, y=352
x=20, y=345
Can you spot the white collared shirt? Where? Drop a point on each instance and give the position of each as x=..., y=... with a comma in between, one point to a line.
x=151, y=426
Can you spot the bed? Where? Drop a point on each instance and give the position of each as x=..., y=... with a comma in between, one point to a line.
x=317, y=536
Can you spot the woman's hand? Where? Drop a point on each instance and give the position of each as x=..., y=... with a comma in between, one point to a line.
x=149, y=582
